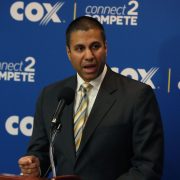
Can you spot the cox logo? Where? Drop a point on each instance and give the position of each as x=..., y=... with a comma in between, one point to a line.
x=139, y=74
x=14, y=125
x=36, y=11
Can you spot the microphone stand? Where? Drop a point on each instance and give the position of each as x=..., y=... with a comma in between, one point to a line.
x=54, y=131
x=55, y=128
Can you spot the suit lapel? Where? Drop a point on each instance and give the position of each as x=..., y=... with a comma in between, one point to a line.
x=103, y=103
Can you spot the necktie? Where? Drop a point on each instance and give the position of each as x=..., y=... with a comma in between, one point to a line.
x=81, y=114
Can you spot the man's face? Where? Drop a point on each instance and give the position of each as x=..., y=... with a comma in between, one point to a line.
x=87, y=53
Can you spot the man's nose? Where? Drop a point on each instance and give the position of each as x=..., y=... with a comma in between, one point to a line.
x=89, y=54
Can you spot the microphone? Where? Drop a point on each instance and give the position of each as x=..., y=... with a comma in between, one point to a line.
x=65, y=97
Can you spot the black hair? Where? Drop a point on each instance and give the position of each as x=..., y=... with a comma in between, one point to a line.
x=84, y=23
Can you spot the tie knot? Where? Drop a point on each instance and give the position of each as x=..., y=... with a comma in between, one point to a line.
x=85, y=87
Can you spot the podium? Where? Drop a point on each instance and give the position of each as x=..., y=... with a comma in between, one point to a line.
x=66, y=177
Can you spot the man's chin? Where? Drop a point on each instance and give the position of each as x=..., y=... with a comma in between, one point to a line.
x=89, y=77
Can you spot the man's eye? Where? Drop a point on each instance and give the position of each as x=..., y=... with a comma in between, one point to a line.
x=96, y=46
x=79, y=49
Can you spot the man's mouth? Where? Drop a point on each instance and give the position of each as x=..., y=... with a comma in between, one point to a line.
x=90, y=68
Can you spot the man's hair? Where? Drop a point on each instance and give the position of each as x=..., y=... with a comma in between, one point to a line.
x=84, y=23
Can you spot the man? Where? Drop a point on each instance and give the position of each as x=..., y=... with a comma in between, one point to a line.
x=122, y=136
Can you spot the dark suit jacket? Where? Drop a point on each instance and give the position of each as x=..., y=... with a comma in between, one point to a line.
x=122, y=138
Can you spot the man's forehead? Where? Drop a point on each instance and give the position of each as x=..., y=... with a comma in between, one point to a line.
x=86, y=37
x=79, y=31
x=81, y=34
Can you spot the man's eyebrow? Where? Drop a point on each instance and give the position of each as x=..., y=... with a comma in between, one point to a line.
x=96, y=42
x=92, y=43
x=79, y=44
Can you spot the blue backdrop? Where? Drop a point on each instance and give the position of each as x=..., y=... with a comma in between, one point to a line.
x=143, y=43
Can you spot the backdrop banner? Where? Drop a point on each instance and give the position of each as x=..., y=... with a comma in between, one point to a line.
x=143, y=43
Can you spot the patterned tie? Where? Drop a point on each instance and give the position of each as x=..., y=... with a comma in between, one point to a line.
x=81, y=114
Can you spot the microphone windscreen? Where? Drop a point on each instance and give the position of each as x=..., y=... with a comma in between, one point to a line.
x=67, y=94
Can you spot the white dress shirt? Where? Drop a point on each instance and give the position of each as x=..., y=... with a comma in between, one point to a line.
x=96, y=83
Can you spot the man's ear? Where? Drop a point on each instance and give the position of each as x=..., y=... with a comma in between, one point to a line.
x=68, y=52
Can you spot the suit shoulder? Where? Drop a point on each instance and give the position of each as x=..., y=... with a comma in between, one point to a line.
x=132, y=90
x=55, y=87
x=129, y=84
x=61, y=82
